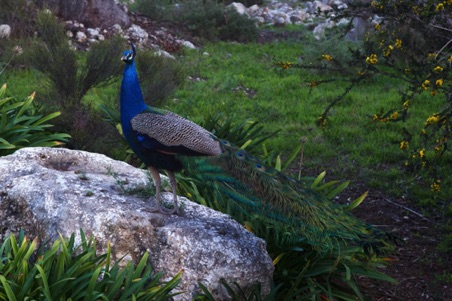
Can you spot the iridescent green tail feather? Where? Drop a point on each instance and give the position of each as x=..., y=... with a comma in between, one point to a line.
x=252, y=190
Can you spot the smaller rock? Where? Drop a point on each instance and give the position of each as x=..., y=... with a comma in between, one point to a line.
x=137, y=33
x=187, y=44
x=5, y=31
x=81, y=37
x=117, y=29
x=238, y=7
x=93, y=33
x=164, y=54
x=252, y=10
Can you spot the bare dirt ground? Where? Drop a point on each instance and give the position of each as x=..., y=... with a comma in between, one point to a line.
x=417, y=261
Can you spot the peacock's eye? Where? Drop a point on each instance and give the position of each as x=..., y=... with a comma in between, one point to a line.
x=129, y=56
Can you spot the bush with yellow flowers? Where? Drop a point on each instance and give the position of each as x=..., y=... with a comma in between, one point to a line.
x=411, y=43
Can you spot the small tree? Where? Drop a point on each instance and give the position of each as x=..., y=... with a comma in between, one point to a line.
x=73, y=76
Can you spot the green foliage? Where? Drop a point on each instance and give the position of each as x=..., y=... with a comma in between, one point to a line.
x=24, y=125
x=159, y=77
x=52, y=55
x=237, y=293
x=208, y=19
x=161, y=10
x=247, y=134
x=72, y=76
x=308, y=275
x=65, y=271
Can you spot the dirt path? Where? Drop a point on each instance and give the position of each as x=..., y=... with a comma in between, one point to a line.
x=418, y=262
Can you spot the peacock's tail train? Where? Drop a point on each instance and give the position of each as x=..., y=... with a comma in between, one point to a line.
x=299, y=214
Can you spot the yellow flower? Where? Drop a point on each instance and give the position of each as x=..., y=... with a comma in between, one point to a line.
x=327, y=57
x=285, y=65
x=423, y=132
x=438, y=148
x=406, y=104
x=426, y=84
x=398, y=43
x=377, y=26
x=449, y=59
x=440, y=6
x=436, y=186
x=376, y=4
x=433, y=93
x=432, y=119
x=438, y=69
x=387, y=52
x=439, y=82
x=404, y=144
x=372, y=59
x=431, y=56
x=394, y=115
x=422, y=153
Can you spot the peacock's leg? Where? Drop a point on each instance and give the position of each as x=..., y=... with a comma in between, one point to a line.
x=172, y=178
x=157, y=183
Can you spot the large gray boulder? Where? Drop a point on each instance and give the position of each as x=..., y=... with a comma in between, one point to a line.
x=47, y=190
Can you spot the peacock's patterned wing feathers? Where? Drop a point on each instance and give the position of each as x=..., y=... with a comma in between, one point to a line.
x=171, y=130
x=262, y=191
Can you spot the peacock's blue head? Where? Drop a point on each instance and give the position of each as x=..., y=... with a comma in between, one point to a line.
x=129, y=55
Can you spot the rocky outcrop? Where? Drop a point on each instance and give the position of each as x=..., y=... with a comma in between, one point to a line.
x=318, y=15
x=47, y=191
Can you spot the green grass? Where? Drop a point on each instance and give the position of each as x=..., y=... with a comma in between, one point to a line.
x=351, y=145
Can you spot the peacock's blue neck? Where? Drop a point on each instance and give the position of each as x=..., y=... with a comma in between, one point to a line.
x=131, y=102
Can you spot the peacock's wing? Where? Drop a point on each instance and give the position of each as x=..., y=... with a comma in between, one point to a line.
x=166, y=132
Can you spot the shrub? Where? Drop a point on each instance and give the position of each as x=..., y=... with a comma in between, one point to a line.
x=23, y=125
x=208, y=19
x=72, y=76
x=159, y=77
x=65, y=271
x=410, y=45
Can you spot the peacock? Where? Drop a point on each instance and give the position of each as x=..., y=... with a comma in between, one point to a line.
x=166, y=141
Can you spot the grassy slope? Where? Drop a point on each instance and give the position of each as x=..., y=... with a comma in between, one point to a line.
x=351, y=145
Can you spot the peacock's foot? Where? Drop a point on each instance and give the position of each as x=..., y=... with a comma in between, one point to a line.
x=158, y=208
